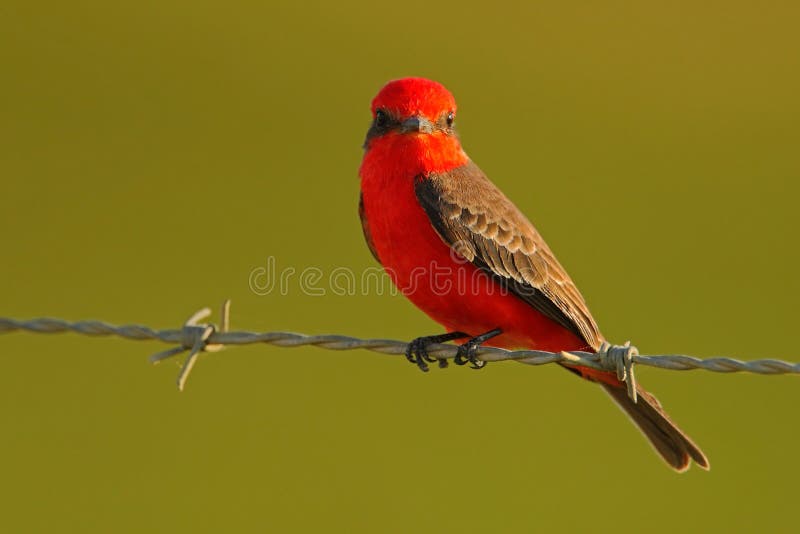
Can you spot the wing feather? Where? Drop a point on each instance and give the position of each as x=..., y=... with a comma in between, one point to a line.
x=474, y=217
x=365, y=228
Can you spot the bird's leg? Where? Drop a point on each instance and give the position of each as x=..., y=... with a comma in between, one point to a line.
x=417, y=350
x=466, y=352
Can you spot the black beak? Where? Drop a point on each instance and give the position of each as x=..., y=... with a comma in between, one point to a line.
x=416, y=124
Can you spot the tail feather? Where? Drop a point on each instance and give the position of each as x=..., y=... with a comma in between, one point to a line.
x=672, y=444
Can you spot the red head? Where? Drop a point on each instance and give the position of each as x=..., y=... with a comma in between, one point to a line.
x=414, y=96
x=413, y=119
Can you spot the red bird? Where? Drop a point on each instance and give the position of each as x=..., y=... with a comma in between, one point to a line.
x=465, y=255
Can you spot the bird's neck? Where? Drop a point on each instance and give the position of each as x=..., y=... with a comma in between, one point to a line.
x=408, y=156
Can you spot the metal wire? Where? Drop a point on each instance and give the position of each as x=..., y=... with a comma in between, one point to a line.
x=196, y=337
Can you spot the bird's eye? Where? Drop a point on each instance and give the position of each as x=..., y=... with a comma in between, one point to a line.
x=381, y=118
x=451, y=117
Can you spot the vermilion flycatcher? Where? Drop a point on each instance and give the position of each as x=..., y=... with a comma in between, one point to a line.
x=466, y=256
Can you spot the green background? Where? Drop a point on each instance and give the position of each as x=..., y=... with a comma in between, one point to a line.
x=153, y=154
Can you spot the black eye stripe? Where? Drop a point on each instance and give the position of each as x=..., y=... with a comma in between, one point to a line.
x=381, y=118
x=385, y=122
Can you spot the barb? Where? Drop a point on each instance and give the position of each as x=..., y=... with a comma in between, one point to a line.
x=197, y=337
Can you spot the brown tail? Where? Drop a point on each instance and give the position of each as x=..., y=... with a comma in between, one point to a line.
x=671, y=443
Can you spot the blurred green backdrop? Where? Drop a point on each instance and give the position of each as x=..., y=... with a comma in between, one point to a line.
x=153, y=154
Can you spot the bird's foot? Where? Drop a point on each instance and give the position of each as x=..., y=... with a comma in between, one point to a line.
x=417, y=350
x=467, y=353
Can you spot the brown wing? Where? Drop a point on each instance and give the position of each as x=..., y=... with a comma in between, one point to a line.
x=474, y=217
x=365, y=228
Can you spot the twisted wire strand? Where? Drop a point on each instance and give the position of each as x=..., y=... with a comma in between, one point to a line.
x=196, y=338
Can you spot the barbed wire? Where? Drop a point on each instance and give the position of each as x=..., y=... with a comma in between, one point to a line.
x=197, y=337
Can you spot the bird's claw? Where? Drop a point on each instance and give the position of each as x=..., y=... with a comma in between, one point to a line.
x=468, y=352
x=417, y=353
x=417, y=350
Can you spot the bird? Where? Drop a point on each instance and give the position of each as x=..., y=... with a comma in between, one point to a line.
x=464, y=254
